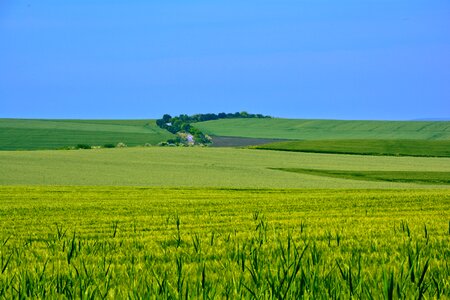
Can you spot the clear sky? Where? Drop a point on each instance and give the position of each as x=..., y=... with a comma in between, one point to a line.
x=346, y=59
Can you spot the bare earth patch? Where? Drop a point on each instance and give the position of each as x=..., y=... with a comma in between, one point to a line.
x=226, y=141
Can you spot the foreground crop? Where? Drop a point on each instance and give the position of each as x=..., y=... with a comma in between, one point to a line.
x=204, y=243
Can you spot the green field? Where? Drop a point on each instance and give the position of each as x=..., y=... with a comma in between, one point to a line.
x=32, y=134
x=365, y=147
x=326, y=129
x=224, y=223
x=94, y=242
x=390, y=176
x=201, y=167
x=21, y=134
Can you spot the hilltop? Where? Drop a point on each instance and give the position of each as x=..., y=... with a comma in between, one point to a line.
x=298, y=129
x=234, y=130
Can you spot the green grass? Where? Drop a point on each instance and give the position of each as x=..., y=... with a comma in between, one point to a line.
x=200, y=167
x=391, y=176
x=327, y=129
x=365, y=147
x=22, y=134
x=155, y=243
x=29, y=134
x=206, y=223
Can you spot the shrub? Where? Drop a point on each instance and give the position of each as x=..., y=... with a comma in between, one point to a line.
x=175, y=140
x=67, y=148
x=109, y=146
x=121, y=145
x=83, y=146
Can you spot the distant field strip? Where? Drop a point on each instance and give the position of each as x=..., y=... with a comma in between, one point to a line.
x=19, y=134
x=391, y=176
x=366, y=147
x=294, y=129
x=155, y=243
x=201, y=167
x=224, y=141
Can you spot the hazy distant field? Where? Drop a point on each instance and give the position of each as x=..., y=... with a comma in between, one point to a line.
x=439, y=148
x=326, y=129
x=97, y=242
x=200, y=167
x=19, y=134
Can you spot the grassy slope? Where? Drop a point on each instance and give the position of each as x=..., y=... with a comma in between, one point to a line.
x=363, y=146
x=199, y=167
x=326, y=129
x=20, y=134
x=117, y=242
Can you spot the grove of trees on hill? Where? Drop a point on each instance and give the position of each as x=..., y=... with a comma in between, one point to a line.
x=182, y=123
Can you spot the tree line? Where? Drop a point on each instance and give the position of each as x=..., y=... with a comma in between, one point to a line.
x=182, y=123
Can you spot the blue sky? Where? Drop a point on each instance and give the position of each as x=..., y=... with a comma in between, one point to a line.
x=348, y=59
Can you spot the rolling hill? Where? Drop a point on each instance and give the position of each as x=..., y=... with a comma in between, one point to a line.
x=31, y=134
x=430, y=148
x=297, y=129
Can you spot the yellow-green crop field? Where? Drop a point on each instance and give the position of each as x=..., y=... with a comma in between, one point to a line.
x=218, y=223
x=178, y=243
